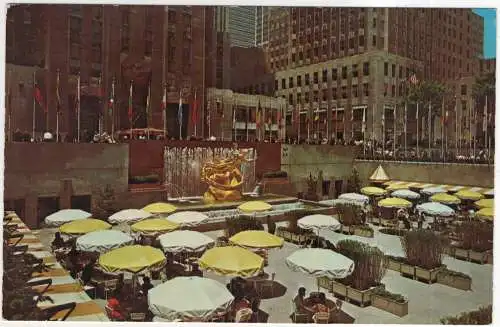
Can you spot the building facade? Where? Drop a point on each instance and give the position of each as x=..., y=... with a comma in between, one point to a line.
x=332, y=99
x=239, y=22
x=234, y=116
x=447, y=41
x=130, y=45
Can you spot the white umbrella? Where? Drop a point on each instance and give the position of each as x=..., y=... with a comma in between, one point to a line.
x=318, y=222
x=435, y=209
x=189, y=298
x=433, y=190
x=185, y=241
x=66, y=215
x=355, y=197
x=320, y=263
x=103, y=240
x=188, y=218
x=128, y=216
x=406, y=194
x=490, y=192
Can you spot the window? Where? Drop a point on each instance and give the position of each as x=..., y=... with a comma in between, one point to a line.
x=393, y=70
x=283, y=84
x=386, y=69
x=172, y=16
x=374, y=24
x=393, y=90
x=463, y=89
x=361, y=40
x=334, y=74
x=293, y=57
x=323, y=95
x=290, y=82
x=307, y=79
x=344, y=92
x=306, y=97
x=354, y=90
x=354, y=70
x=315, y=77
x=299, y=98
x=299, y=80
x=275, y=84
x=334, y=93
x=344, y=72
x=342, y=45
x=325, y=76
x=366, y=90
x=315, y=96
x=366, y=68
x=374, y=40
x=386, y=87
x=290, y=99
x=400, y=72
x=351, y=43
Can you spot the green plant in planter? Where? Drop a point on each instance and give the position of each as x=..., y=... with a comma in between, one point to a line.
x=393, y=231
x=275, y=174
x=423, y=248
x=392, y=296
x=369, y=268
x=242, y=223
x=482, y=316
x=476, y=235
x=311, y=193
x=349, y=215
x=354, y=182
x=454, y=273
x=397, y=259
x=365, y=228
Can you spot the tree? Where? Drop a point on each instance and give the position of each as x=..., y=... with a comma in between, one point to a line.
x=354, y=182
x=105, y=204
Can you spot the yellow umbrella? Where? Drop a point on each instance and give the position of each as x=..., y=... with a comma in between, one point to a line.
x=132, y=258
x=485, y=203
x=486, y=213
x=153, y=226
x=231, y=261
x=159, y=207
x=257, y=239
x=255, y=206
x=372, y=190
x=445, y=198
x=469, y=195
x=394, y=203
x=83, y=226
x=395, y=187
x=388, y=183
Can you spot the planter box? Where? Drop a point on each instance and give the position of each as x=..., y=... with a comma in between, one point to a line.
x=363, y=232
x=338, y=289
x=429, y=276
x=461, y=254
x=480, y=257
x=325, y=283
x=347, y=230
x=407, y=270
x=393, y=265
x=460, y=282
x=362, y=297
x=396, y=308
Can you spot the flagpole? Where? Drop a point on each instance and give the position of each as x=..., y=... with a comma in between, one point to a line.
x=34, y=106
x=113, y=109
x=394, y=132
x=470, y=116
x=248, y=118
x=298, y=132
x=9, y=104
x=405, y=128
x=474, y=115
x=328, y=122
x=78, y=108
x=179, y=115
x=101, y=118
x=58, y=108
x=196, y=116
x=164, y=104
x=130, y=110
x=148, y=104
x=429, y=124
x=456, y=127
x=363, y=127
x=442, y=129
x=234, y=121
x=418, y=137
x=485, y=122
x=383, y=132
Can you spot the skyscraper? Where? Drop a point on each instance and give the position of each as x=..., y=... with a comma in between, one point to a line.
x=239, y=22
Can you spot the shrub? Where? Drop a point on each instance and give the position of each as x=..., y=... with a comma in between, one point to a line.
x=242, y=223
x=454, y=273
x=354, y=182
x=423, y=248
x=392, y=296
x=476, y=235
x=393, y=231
x=349, y=214
x=148, y=179
x=369, y=268
x=365, y=228
x=482, y=316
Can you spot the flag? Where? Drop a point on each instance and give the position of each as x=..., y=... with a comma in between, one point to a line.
x=278, y=118
x=485, y=115
x=406, y=117
x=363, y=126
x=112, y=98
x=37, y=94
x=194, y=115
x=383, y=118
x=234, y=115
x=130, y=105
x=58, y=96
x=148, y=104
x=417, y=113
x=258, y=115
x=444, y=121
x=164, y=100
x=179, y=111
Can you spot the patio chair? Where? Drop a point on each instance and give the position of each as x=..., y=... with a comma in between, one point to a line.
x=137, y=316
x=267, y=284
x=321, y=317
x=52, y=311
x=109, y=287
x=297, y=317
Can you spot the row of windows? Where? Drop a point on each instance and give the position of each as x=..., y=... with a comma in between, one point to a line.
x=324, y=76
x=340, y=93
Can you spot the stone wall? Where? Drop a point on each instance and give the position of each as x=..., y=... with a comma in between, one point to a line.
x=301, y=160
x=436, y=173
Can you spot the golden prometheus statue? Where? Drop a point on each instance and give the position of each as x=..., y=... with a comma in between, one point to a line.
x=224, y=178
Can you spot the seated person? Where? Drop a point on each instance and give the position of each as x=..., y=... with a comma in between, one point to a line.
x=87, y=272
x=58, y=242
x=300, y=306
x=146, y=285
x=321, y=305
x=117, y=312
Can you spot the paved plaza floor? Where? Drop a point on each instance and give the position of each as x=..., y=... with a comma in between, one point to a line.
x=427, y=303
